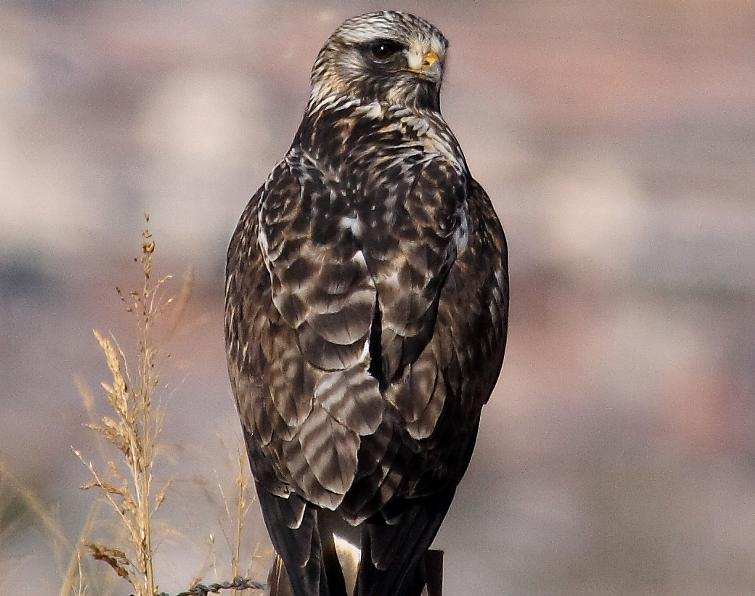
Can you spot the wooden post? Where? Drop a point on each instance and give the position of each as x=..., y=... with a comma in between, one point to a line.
x=434, y=572
x=430, y=585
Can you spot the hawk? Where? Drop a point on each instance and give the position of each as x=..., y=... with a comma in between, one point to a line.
x=365, y=314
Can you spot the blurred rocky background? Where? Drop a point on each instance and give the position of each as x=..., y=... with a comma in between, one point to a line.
x=617, y=139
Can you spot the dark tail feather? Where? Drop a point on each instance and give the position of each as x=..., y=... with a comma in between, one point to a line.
x=293, y=529
x=330, y=563
x=392, y=554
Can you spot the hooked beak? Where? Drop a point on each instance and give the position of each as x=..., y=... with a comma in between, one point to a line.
x=430, y=67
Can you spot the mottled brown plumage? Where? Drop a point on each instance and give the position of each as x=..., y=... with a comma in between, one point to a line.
x=366, y=307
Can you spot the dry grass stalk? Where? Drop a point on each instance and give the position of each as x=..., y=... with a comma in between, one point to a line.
x=236, y=510
x=73, y=578
x=60, y=544
x=236, y=502
x=73, y=583
x=133, y=429
x=242, y=507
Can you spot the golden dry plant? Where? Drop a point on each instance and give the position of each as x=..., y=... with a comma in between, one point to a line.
x=16, y=494
x=236, y=506
x=133, y=428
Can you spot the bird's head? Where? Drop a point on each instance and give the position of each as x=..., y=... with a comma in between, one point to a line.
x=388, y=56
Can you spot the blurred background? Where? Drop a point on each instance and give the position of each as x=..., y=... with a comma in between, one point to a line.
x=617, y=140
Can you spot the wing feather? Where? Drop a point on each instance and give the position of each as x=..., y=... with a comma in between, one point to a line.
x=311, y=317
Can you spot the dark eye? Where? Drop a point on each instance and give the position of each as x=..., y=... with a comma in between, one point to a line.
x=384, y=49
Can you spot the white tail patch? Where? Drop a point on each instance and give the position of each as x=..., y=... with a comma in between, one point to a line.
x=348, y=556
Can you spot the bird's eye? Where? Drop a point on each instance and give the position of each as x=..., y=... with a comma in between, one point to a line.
x=384, y=49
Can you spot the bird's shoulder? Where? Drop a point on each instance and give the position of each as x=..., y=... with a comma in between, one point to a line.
x=347, y=132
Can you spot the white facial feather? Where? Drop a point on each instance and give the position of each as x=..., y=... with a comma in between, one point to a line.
x=340, y=66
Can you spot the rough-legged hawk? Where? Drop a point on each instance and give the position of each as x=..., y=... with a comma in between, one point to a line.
x=366, y=308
